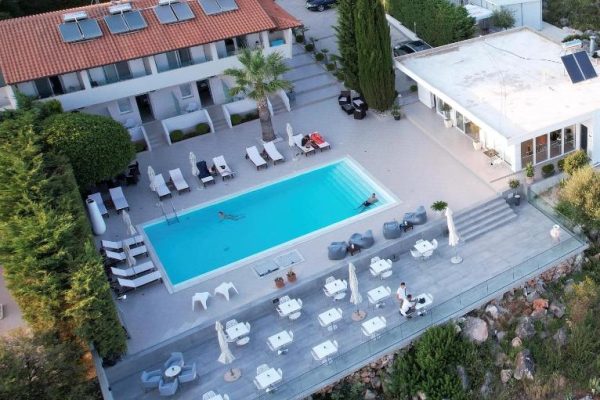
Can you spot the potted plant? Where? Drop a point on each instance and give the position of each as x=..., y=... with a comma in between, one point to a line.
x=439, y=206
x=514, y=185
x=279, y=282
x=396, y=112
x=548, y=170
x=446, y=111
x=529, y=173
x=476, y=145
x=291, y=276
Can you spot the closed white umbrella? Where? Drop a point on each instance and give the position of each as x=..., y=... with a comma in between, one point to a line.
x=128, y=256
x=127, y=220
x=355, y=296
x=453, y=238
x=290, y=133
x=151, y=176
x=195, y=170
x=226, y=356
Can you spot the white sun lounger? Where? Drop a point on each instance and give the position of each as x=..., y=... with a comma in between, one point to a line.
x=273, y=153
x=161, y=187
x=97, y=197
x=118, y=198
x=305, y=149
x=178, y=180
x=140, y=281
x=254, y=156
x=134, y=251
x=222, y=167
x=131, y=242
x=131, y=271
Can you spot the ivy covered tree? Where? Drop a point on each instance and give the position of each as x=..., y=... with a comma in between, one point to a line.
x=97, y=147
x=346, y=39
x=375, y=68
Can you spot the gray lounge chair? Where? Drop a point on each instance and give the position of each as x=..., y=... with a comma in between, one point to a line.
x=188, y=373
x=418, y=217
x=337, y=250
x=176, y=358
x=362, y=241
x=168, y=388
x=150, y=379
x=391, y=230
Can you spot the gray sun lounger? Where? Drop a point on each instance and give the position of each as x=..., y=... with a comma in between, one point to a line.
x=273, y=153
x=161, y=187
x=140, y=280
x=118, y=198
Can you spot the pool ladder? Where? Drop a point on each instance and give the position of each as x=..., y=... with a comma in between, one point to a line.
x=175, y=217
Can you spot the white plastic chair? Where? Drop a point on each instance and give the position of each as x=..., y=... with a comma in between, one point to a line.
x=373, y=272
x=209, y=395
x=262, y=368
x=419, y=241
x=202, y=298
x=427, y=254
x=386, y=274
x=329, y=279
x=243, y=341
x=283, y=299
x=230, y=323
x=294, y=316
x=299, y=302
x=375, y=259
x=415, y=254
x=434, y=243
x=223, y=289
x=291, y=334
x=248, y=326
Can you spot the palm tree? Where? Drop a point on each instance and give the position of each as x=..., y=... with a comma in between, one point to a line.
x=257, y=79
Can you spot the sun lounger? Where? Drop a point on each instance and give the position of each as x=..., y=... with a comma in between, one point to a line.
x=161, y=187
x=178, y=180
x=131, y=242
x=140, y=280
x=306, y=149
x=254, y=156
x=204, y=174
x=97, y=197
x=134, y=251
x=222, y=167
x=273, y=153
x=118, y=198
x=132, y=271
x=319, y=141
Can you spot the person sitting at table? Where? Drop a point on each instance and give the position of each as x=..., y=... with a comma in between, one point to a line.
x=408, y=307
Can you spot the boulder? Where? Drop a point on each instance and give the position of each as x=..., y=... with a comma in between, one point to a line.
x=524, y=365
x=540, y=304
x=560, y=337
x=464, y=379
x=516, y=342
x=492, y=310
x=500, y=335
x=557, y=308
x=505, y=375
x=476, y=330
x=370, y=395
x=501, y=359
x=525, y=328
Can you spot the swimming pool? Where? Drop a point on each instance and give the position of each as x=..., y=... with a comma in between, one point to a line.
x=269, y=216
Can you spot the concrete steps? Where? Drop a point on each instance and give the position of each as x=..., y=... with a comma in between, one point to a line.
x=156, y=134
x=484, y=218
x=217, y=117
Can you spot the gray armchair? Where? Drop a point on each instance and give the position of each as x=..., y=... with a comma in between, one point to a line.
x=188, y=373
x=176, y=358
x=337, y=250
x=150, y=379
x=392, y=230
x=362, y=241
x=418, y=217
x=168, y=388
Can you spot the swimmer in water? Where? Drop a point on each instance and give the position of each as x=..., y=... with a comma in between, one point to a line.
x=232, y=217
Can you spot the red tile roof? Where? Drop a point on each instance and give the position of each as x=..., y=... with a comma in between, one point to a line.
x=33, y=48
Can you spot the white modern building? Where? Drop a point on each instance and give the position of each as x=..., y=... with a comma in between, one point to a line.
x=511, y=92
x=137, y=61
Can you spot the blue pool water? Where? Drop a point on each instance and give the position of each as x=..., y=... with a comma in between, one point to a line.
x=271, y=215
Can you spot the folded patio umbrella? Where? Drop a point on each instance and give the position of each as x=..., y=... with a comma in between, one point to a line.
x=131, y=261
x=453, y=238
x=151, y=176
x=226, y=356
x=127, y=220
x=195, y=170
x=355, y=296
x=290, y=133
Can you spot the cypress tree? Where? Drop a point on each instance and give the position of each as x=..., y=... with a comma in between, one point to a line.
x=346, y=39
x=375, y=69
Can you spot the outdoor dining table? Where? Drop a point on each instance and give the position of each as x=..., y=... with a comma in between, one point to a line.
x=288, y=307
x=336, y=287
x=424, y=246
x=172, y=372
x=374, y=325
x=377, y=295
x=380, y=266
x=330, y=317
x=268, y=378
x=324, y=350
x=237, y=331
x=279, y=340
x=428, y=300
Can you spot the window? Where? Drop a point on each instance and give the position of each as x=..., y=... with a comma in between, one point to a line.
x=186, y=91
x=555, y=143
x=43, y=88
x=541, y=148
x=526, y=152
x=124, y=105
x=185, y=57
x=569, y=139
x=123, y=70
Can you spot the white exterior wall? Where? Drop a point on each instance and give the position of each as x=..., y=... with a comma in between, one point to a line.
x=111, y=109
x=526, y=12
x=425, y=96
x=163, y=102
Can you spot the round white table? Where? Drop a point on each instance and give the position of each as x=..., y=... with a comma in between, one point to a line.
x=172, y=371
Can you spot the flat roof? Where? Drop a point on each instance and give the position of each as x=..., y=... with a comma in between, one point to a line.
x=513, y=81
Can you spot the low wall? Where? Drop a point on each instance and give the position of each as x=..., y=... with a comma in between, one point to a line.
x=187, y=122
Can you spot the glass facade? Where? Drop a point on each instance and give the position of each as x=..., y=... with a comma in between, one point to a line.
x=548, y=145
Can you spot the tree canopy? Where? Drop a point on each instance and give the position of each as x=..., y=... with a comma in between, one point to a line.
x=580, y=198
x=503, y=18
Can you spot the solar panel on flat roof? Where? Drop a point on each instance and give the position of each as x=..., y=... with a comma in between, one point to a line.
x=182, y=11
x=572, y=68
x=585, y=65
x=134, y=20
x=164, y=14
x=227, y=5
x=210, y=7
x=70, y=32
x=116, y=24
x=90, y=28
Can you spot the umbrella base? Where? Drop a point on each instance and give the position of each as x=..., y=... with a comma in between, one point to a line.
x=456, y=260
x=232, y=375
x=358, y=315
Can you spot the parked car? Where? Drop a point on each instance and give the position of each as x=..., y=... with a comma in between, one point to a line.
x=410, y=46
x=319, y=5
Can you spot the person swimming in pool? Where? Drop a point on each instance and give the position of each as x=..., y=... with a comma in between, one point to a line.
x=223, y=216
x=368, y=202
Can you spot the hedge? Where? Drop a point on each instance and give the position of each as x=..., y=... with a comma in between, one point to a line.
x=237, y=119
x=200, y=129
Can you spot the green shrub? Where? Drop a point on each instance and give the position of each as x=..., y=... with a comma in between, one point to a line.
x=299, y=38
x=548, y=170
x=176, y=136
x=202, y=128
x=140, y=146
x=97, y=147
x=575, y=161
x=236, y=119
x=330, y=66
x=309, y=47
x=414, y=88
x=561, y=164
x=319, y=56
